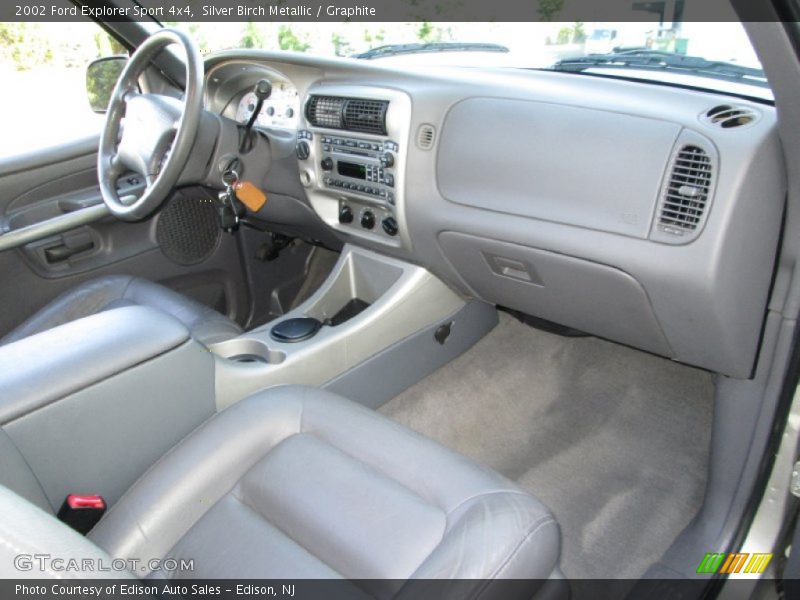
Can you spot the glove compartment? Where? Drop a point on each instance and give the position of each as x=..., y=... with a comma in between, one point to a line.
x=581, y=294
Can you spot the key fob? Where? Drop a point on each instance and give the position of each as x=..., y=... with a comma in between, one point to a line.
x=249, y=195
x=228, y=219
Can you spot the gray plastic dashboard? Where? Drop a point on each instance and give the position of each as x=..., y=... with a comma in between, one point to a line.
x=546, y=192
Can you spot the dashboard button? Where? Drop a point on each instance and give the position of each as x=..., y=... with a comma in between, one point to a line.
x=345, y=214
x=368, y=219
x=303, y=150
x=387, y=160
x=389, y=225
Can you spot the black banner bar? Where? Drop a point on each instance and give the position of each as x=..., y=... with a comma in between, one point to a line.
x=316, y=589
x=393, y=10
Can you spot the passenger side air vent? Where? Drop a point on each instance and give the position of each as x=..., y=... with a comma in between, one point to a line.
x=726, y=116
x=365, y=116
x=686, y=195
x=325, y=111
x=425, y=136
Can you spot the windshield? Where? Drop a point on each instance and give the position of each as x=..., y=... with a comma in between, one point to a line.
x=538, y=45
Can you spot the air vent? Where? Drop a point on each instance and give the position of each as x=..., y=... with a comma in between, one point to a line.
x=325, y=111
x=365, y=116
x=726, y=116
x=425, y=136
x=351, y=114
x=686, y=193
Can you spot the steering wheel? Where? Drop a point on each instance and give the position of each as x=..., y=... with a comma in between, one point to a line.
x=158, y=133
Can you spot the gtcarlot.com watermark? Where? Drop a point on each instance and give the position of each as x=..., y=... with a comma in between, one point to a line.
x=56, y=564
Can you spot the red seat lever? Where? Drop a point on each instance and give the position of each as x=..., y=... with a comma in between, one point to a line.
x=78, y=501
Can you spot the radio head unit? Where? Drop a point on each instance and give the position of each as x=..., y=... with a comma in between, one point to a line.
x=359, y=168
x=347, y=162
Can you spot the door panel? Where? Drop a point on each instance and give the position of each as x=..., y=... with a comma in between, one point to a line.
x=36, y=187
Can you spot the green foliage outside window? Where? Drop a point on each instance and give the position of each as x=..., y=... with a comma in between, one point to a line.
x=288, y=40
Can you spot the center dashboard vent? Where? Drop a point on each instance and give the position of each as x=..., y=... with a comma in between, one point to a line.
x=351, y=114
x=685, y=196
x=325, y=111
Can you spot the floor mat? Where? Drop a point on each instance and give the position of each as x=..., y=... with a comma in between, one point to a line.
x=613, y=440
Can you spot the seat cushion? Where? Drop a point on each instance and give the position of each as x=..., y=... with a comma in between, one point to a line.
x=205, y=324
x=295, y=482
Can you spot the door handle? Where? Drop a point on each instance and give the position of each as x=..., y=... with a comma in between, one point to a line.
x=67, y=205
x=61, y=253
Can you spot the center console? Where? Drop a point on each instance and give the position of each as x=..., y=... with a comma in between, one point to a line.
x=379, y=323
x=351, y=148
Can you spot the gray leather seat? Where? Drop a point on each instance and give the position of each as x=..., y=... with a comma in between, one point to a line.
x=295, y=482
x=206, y=325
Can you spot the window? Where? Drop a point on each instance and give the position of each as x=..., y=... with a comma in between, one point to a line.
x=43, y=69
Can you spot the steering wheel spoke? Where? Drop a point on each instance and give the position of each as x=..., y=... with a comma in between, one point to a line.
x=116, y=167
x=129, y=94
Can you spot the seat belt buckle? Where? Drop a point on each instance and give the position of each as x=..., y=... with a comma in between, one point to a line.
x=82, y=512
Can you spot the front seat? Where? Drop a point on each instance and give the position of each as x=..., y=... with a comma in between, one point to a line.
x=205, y=324
x=297, y=483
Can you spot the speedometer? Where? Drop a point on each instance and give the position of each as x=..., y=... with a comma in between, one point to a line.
x=279, y=110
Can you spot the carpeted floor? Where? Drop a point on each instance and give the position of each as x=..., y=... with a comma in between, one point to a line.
x=613, y=440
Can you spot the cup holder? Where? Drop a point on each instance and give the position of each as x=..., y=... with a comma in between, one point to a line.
x=248, y=351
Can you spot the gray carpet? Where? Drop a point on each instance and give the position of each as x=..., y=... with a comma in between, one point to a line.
x=613, y=440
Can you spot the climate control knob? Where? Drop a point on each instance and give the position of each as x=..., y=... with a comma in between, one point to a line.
x=368, y=219
x=326, y=163
x=389, y=225
x=345, y=214
x=387, y=160
x=303, y=150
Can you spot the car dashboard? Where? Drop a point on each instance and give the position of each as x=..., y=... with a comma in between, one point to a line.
x=641, y=213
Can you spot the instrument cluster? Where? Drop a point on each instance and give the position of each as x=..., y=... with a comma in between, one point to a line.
x=280, y=110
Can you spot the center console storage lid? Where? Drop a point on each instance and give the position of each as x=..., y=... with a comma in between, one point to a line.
x=52, y=364
x=295, y=330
